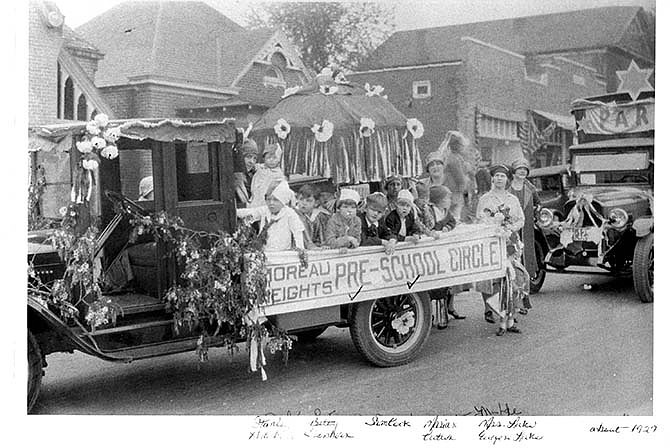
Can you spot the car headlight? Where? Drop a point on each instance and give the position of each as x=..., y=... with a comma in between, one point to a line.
x=618, y=218
x=545, y=218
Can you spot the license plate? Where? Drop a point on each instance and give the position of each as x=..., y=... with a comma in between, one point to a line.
x=581, y=234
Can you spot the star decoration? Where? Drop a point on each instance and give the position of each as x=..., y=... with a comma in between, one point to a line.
x=634, y=80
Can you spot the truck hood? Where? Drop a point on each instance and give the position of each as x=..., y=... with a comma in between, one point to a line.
x=612, y=196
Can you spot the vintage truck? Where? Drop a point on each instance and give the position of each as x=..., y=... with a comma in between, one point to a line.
x=607, y=221
x=382, y=298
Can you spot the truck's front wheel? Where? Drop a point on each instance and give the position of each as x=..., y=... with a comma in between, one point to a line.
x=643, y=268
x=391, y=331
x=35, y=370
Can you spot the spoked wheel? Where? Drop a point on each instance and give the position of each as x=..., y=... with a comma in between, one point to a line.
x=391, y=331
x=35, y=370
x=537, y=280
x=643, y=268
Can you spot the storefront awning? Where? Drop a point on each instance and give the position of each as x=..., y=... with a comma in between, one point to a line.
x=502, y=114
x=562, y=121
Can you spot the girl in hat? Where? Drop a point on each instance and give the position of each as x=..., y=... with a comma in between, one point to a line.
x=501, y=207
x=527, y=195
x=266, y=174
x=343, y=230
x=243, y=180
x=278, y=222
x=402, y=222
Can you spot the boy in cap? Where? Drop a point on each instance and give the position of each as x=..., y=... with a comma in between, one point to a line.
x=343, y=230
x=266, y=173
x=373, y=228
x=278, y=222
x=402, y=221
x=313, y=217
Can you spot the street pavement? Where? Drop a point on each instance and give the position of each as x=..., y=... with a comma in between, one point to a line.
x=582, y=352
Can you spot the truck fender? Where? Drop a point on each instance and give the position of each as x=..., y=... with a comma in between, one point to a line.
x=643, y=226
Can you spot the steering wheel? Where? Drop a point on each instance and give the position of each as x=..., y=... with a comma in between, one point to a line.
x=125, y=204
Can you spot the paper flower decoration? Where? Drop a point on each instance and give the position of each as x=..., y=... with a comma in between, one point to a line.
x=367, y=127
x=324, y=131
x=112, y=134
x=85, y=146
x=290, y=91
x=341, y=79
x=373, y=91
x=415, y=128
x=403, y=323
x=89, y=164
x=102, y=120
x=328, y=90
x=282, y=128
x=92, y=128
x=98, y=143
x=110, y=152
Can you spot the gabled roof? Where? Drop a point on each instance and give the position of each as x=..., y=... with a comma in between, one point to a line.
x=74, y=40
x=83, y=82
x=589, y=28
x=178, y=40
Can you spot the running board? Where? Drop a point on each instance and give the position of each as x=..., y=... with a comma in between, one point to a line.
x=551, y=270
x=153, y=350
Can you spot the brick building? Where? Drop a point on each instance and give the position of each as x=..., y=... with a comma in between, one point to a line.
x=489, y=79
x=186, y=59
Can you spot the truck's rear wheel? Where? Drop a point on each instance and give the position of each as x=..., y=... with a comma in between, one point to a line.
x=35, y=370
x=391, y=331
x=643, y=268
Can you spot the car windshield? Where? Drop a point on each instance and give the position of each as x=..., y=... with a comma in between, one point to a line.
x=612, y=168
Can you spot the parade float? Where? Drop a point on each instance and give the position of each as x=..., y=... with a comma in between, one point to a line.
x=175, y=272
x=608, y=218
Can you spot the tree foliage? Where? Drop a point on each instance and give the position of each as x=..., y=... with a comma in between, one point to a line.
x=328, y=33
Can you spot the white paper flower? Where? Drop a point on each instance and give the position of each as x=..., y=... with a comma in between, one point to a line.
x=324, y=131
x=328, y=90
x=373, y=90
x=85, y=146
x=98, y=142
x=112, y=134
x=110, y=152
x=415, y=127
x=282, y=128
x=89, y=164
x=290, y=91
x=367, y=127
x=62, y=211
x=403, y=323
x=341, y=79
x=92, y=128
x=102, y=120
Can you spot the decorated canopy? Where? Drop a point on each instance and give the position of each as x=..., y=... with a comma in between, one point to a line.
x=334, y=129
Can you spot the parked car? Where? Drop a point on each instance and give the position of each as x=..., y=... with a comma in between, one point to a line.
x=607, y=221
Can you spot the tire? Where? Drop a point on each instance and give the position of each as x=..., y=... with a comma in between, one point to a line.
x=35, y=370
x=310, y=335
x=537, y=281
x=643, y=268
x=379, y=314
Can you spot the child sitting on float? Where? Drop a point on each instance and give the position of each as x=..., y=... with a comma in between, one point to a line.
x=401, y=221
x=279, y=223
x=267, y=173
x=313, y=217
x=343, y=230
x=374, y=231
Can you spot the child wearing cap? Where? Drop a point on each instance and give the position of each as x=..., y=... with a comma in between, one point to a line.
x=439, y=202
x=266, y=173
x=343, y=230
x=279, y=223
x=373, y=228
x=314, y=218
x=402, y=221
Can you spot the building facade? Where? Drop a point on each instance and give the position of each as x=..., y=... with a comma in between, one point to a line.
x=499, y=81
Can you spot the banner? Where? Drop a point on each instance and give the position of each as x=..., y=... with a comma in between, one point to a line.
x=618, y=119
x=466, y=254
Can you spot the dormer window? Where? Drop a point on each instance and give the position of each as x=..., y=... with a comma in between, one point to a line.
x=273, y=77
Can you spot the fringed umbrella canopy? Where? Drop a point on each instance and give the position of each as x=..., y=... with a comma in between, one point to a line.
x=324, y=129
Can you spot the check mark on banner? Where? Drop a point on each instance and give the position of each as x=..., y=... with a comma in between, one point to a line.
x=354, y=296
x=409, y=285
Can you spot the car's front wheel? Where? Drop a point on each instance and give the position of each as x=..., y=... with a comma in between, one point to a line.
x=643, y=268
x=537, y=279
x=391, y=331
x=35, y=370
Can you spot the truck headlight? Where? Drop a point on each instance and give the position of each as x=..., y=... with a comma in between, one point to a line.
x=618, y=218
x=545, y=218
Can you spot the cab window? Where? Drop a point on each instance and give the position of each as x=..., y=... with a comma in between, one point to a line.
x=196, y=176
x=136, y=174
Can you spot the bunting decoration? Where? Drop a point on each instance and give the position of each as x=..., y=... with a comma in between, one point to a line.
x=531, y=137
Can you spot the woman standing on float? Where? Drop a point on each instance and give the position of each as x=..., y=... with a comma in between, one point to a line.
x=496, y=206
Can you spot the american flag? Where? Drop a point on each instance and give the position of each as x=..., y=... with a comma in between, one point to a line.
x=531, y=137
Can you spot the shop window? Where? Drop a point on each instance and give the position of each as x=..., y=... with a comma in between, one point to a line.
x=68, y=100
x=196, y=180
x=421, y=89
x=534, y=71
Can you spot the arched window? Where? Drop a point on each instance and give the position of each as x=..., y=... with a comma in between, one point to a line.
x=273, y=77
x=81, y=108
x=68, y=100
x=59, y=82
